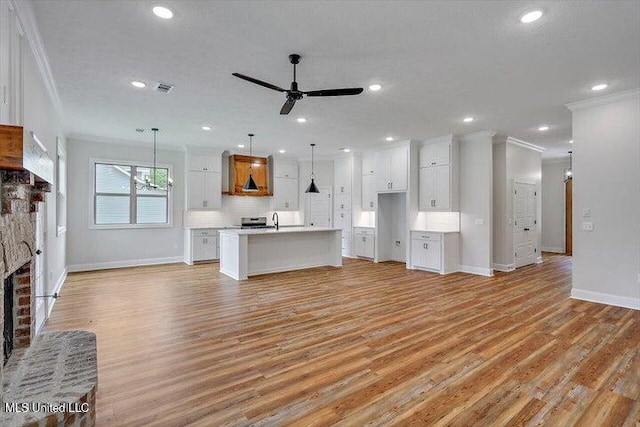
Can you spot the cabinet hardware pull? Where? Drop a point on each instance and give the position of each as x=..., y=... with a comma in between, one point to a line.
x=526, y=229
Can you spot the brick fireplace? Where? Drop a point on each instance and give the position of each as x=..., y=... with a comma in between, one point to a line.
x=19, y=197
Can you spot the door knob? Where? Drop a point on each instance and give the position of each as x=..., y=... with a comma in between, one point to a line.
x=38, y=252
x=526, y=229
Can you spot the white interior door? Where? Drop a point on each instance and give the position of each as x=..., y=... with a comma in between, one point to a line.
x=319, y=208
x=39, y=274
x=525, y=224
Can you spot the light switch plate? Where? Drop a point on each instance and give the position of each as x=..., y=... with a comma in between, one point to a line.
x=586, y=213
x=587, y=226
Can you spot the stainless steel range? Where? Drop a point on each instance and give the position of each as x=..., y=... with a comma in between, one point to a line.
x=255, y=222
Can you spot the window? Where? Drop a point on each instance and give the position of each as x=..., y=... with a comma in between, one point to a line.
x=61, y=188
x=121, y=198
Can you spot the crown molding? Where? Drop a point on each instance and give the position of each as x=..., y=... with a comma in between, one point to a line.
x=603, y=100
x=124, y=142
x=484, y=134
x=556, y=160
x=27, y=20
x=524, y=144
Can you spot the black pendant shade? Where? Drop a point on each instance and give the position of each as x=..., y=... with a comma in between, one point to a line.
x=250, y=185
x=312, y=188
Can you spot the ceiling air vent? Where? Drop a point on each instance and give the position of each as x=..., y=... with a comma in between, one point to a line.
x=164, y=87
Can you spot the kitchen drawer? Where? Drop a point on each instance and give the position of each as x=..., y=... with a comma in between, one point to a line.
x=364, y=231
x=212, y=232
x=426, y=235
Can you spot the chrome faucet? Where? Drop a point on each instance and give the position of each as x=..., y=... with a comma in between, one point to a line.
x=275, y=219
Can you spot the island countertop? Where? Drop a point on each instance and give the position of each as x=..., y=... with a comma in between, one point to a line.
x=282, y=230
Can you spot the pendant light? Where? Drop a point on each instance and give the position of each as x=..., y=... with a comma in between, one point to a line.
x=151, y=180
x=312, y=188
x=568, y=173
x=250, y=185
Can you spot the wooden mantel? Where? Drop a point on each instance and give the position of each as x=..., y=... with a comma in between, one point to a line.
x=19, y=150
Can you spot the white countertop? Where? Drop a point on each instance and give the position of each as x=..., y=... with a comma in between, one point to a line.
x=435, y=231
x=282, y=230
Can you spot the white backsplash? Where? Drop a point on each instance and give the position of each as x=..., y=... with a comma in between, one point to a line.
x=438, y=221
x=235, y=207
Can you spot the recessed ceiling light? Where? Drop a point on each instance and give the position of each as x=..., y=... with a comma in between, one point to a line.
x=206, y=127
x=162, y=12
x=543, y=128
x=281, y=151
x=530, y=17
x=600, y=86
x=346, y=150
x=375, y=87
x=240, y=145
x=467, y=119
x=138, y=84
x=301, y=119
x=389, y=138
x=571, y=141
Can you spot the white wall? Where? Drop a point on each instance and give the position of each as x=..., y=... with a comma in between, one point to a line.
x=41, y=117
x=553, y=205
x=515, y=161
x=476, y=195
x=606, y=180
x=104, y=248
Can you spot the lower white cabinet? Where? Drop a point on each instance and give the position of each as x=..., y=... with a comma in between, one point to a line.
x=201, y=244
x=364, y=242
x=346, y=243
x=435, y=251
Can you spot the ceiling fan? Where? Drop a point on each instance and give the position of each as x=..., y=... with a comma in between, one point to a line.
x=294, y=94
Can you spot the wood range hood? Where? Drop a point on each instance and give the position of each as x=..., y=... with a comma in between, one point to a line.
x=239, y=168
x=21, y=150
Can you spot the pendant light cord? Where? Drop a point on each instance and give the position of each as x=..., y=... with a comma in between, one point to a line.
x=250, y=152
x=313, y=146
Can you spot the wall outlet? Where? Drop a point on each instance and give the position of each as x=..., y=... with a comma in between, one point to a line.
x=397, y=242
x=479, y=221
x=587, y=226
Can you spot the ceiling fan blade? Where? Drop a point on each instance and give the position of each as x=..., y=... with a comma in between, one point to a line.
x=286, y=108
x=258, y=82
x=335, y=92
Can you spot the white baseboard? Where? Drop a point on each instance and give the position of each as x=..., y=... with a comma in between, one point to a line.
x=603, y=298
x=539, y=260
x=554, y=250
x=476, y=270
x=506, y=268
x=125, y=263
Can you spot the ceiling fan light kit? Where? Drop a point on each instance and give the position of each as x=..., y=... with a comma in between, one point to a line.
x=294, y=94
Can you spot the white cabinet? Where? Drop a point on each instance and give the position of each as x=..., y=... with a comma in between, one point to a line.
x=369, y=164
x=364, y=242
x=285, y=170
x=434, y=251
x=204, y=190
x=435, y=188
x=201, y=245
x=342, y=171
x=204, y=162
x=438, y=176
x=369, y=193
x=285, y=194
x=392, y=169
x=435, y=154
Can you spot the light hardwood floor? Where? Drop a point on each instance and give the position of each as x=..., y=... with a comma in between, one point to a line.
x=369, y=343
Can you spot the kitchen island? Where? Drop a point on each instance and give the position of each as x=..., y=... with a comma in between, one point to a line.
x=245, y=253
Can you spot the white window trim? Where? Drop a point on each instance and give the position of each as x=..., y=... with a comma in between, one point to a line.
x=61, y=223
x=92, y=171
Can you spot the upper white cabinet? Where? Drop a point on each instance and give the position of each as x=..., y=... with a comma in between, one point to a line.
x=391, y=169
x=438, y=176
x=204, y=190
x=285, y=186
x=435, y=154
x=285, y=170
x=204, y=182
x=369, y=193
x=369, y=164
x=342, y=171
x=204, y=162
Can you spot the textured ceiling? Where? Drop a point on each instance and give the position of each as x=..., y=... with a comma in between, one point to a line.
x=438, y=61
